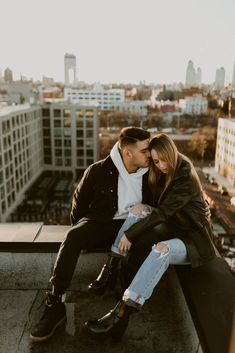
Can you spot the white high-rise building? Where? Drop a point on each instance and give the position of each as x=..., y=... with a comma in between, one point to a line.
x=233, y=79
x=98, y=96
x=219, y=78
x=190, y=75
x=21, y=153
x=225, y=149
x=70, y=69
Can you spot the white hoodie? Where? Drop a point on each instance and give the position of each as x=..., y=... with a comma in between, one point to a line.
x=129, y=185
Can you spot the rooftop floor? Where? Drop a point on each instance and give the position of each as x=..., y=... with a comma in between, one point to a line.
x=158, y=328
x=163, y=326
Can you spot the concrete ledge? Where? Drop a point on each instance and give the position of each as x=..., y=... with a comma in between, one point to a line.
x=28, y=255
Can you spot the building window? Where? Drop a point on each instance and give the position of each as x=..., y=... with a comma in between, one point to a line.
x=80, y=153
x=79, y=133
x=79, y=123
x=57, y=132
x=57, y=123
x=67, y=122
x=67, y=162
x=58, y=143
x=66, y=113
x=45, y=112
x=67, y=143
x=57, y=113
x=58, y=162
x=67, y=153
x=67, y=132
x=47, y=160
x=45, y=122
x=89, y=133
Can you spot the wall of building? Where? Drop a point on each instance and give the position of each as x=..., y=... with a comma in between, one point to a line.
x=225, y=149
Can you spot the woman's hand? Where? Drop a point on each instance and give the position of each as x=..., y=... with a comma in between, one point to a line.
x=124, y=245
x=138, y=209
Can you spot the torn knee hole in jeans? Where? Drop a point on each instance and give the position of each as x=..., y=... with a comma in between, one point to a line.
x=162, y=248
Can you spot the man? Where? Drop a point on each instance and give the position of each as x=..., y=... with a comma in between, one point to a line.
x=100, y=205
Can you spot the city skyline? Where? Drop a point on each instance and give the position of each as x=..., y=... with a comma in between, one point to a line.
x=122, y=42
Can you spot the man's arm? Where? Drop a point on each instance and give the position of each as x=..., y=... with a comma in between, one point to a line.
x=83, y=196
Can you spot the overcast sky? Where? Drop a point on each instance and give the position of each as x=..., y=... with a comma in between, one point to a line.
x=118, y=40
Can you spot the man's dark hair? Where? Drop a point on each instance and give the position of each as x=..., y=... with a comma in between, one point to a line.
x=130, y=135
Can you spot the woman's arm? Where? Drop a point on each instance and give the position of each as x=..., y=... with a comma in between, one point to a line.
x=183, y=189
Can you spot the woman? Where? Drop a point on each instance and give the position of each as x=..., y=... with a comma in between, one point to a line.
x=180, y=210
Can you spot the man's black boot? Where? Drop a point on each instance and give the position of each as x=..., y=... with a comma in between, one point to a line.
x=54, y=315
x=107, y=277
x=113, y=324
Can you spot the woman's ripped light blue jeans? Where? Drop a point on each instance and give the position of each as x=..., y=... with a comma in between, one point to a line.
x=153, y=268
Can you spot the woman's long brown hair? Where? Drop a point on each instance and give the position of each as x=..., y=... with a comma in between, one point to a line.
x=168, y=152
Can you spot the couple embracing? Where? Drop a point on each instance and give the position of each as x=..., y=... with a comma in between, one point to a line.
x=145, y=202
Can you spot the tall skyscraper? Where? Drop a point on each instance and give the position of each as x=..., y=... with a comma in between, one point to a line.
x=8, y=75
x=70, y=69
x=233, y=79
x=219, y=78
x=190, y=75
x=199, y=77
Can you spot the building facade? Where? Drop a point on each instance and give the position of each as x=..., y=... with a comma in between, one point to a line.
x=70, y=137
x=225, y=149
x=102, y=98
x=133, y=107
x=190, y=75
x=21, y=153
x=70, y=69
x=219, y=78
x=195, y=105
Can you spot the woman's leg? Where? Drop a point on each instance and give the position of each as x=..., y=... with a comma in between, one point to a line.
x=162, y=255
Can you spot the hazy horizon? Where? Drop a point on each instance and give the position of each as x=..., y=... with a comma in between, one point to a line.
x=118, y=41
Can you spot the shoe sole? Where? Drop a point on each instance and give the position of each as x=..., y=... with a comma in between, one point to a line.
x=44, y=338
x=95, y=336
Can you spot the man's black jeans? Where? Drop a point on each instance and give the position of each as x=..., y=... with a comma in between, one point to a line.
x=86, y=235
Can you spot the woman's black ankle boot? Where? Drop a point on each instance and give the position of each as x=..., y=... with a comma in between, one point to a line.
x=107, y=277
x=113, y=324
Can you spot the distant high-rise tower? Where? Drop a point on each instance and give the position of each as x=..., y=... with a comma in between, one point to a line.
x=219, y=78
x=70, y=70
x=190, y=75
x=233, y=80
x=8, y=75
x=199, y=77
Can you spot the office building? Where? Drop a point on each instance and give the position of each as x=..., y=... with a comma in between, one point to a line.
x=21, y=153
x=233, y=79
x=194, y=105
x=219, y=78
x=225, y=149
x=100, y=97
x=70, y=137
x=8, y=75
x=70, y=69
x=190, y=75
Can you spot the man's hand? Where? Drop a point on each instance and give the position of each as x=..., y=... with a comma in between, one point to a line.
x=124, y=245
